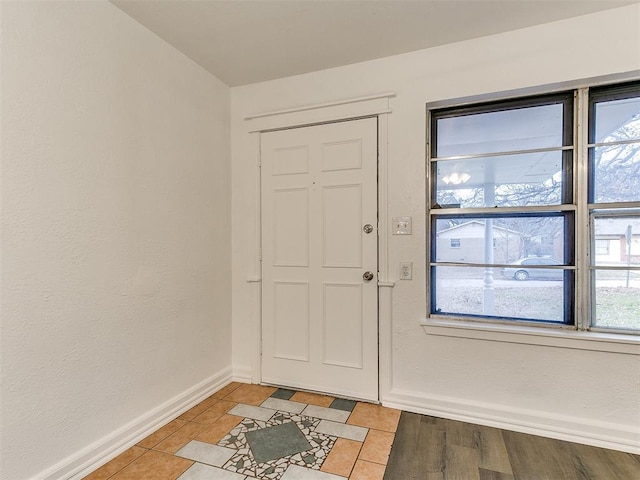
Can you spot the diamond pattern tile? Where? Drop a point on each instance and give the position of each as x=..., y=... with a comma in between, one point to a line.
x=277, y=442
x=256, y=432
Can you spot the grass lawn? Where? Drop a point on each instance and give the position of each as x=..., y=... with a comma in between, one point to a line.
x=616, y=307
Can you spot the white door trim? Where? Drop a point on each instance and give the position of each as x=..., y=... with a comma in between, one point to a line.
x=370, y=106
x=337, y=110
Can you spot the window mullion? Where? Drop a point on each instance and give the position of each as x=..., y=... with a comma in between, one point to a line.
x=436, y=212
x=583, y=310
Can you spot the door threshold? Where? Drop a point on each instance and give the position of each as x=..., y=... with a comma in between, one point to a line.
x=325, y=394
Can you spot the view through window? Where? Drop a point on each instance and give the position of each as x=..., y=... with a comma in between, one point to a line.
x=614, y=196
x=506, y=202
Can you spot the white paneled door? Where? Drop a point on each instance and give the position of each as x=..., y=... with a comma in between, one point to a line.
x=319, y=258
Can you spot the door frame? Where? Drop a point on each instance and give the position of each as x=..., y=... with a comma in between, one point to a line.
x=332, y=112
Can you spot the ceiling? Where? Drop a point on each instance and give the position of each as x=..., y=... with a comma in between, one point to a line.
x=248, y=41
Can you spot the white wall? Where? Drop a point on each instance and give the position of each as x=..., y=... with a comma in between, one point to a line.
x=115, y=232
x=579, y=394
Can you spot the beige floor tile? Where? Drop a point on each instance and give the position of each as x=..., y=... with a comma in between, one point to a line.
x=375, y=416
x=214, y=433
x=367, y=471
x=117, y=464
x=226, y=390
x=180, y=438
x=154, y=466
x=216, y=411
x=377, y=447
x=312, y=399
x=192, y=413
x=162, y=433
x=250, y=394
x=342, y=457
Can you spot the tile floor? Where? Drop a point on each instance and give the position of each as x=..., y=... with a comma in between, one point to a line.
x=253, y=431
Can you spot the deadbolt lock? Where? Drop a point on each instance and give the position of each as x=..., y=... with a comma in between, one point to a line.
x=368, y=228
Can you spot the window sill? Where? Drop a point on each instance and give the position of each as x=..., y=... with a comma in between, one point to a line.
x=541, y=336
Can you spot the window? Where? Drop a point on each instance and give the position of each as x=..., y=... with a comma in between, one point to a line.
x=614, y=201
x=454, y=243
x=524, y=182
x=602, y=247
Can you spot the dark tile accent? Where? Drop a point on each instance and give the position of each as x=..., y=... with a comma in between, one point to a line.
x=342, y=404
x=277, y=442
x=283, y=394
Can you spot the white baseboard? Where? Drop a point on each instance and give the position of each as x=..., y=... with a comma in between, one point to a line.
x=536, y=422
x=83, y=462
x=242, y=375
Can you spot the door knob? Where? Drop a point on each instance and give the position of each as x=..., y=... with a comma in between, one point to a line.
x=368, y=276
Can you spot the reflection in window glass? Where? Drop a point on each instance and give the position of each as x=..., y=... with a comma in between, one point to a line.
x=501, y=131
x=617, y=120
x=616, y=172
x=505, y=181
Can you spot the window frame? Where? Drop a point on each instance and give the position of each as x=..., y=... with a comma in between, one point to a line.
x=582, y=243
x=565, y=209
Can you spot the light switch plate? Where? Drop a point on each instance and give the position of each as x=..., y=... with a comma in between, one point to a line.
x=401, y=226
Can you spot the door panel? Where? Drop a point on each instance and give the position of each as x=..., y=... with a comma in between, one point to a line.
x=291, y=227
x=320, y=317
x=289, y=161
x=346, y=155
x=342, y=225
x=342, y=327
x=291, y=325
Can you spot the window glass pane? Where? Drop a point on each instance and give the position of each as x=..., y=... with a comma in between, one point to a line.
x=503, y=131
x=505, y=181
x=617, y=299
x=616, y=173
x=486, y=294
x=617, y=120
x=514, y=239
x=603, y=247
x=622, y=237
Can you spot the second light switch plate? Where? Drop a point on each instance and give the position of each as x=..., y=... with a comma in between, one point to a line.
x=406, y=270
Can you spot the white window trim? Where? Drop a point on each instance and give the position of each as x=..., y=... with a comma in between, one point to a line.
x=577, y=336
x=551, y=336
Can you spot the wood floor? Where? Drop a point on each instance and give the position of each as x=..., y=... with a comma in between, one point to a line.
x=429, y=448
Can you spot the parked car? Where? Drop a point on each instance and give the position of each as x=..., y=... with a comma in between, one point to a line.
x=522, y=270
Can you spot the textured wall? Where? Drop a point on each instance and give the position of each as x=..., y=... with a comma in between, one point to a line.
x=115, y=227
x=525, y=383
